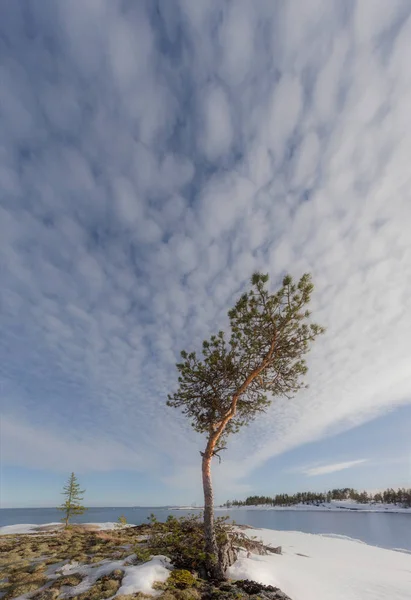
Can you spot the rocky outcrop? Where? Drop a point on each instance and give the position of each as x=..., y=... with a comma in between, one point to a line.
x=243, y=589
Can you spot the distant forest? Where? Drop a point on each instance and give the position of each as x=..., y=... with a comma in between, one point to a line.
x=401, y=496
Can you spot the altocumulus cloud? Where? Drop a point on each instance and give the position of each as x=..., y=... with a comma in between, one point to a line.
x=332, y=468
x=155, y=154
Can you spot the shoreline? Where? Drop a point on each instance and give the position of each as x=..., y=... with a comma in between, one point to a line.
x=336, y=507
x=310, y=567
x=36, y=529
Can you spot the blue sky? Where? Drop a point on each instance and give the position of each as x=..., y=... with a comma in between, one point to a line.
x=154, y=155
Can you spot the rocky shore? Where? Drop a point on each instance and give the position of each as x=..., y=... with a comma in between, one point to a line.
x=86, y=564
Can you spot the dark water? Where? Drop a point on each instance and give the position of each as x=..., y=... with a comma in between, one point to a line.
x=388, y=530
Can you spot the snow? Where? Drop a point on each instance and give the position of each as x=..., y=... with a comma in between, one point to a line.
x=141, y=577
x=25, y=528
x=316, y=567
x=334, y=505
x=90, y=574
x=137, y=578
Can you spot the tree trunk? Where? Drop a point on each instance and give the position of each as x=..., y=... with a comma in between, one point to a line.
x=214, y=568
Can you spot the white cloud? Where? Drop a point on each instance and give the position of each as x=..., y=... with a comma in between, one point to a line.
x=284, y=113
x=133, y=215
x=26, y=446
x=332, y=468
x=236, y=37
x=218, y=132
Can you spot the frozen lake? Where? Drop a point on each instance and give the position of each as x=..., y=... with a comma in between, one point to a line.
x=387, y=530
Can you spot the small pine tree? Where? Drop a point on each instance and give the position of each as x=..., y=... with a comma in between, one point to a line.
x=121, y=522
x=74, y=496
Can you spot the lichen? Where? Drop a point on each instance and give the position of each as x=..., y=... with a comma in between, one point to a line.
x=25, y=587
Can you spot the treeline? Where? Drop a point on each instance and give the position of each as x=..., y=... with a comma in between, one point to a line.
x=401, y=496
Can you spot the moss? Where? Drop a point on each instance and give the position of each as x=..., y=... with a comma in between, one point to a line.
x=24, y=575
x=117, y=574
x=96, y=558
x=181, y=579
x=188, y=594
x=17, y=569
x=73, y=579
x=40, y=548
x=11, y=558
x=73, y=557
x=168, y=595
x=49, y=594
x=4, y=589
x=138, y=596
x=160, y=585
x=77, y=547
x=103, y=588
x=36, y=567
x=111, y=585
x=51, y=560
x=24, y=588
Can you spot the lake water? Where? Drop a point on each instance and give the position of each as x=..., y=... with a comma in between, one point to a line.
x=387, y=530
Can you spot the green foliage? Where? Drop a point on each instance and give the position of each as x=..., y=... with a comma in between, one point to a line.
x=229, y=385
x=269, y=335
x=121, y=522
x=402, y=497
x=177, y=594
x=182, y=539
x=142, y=554
x=74, y=496
x=181, y=579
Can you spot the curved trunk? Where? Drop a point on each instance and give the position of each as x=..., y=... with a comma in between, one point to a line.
x=213, y=563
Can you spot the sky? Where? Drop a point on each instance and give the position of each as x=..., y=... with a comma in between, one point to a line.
x=154, y=154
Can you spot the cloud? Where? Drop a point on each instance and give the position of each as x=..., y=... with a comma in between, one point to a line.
x=332, y=468
x=151, y=160
x=217, y=124
x=26, y=446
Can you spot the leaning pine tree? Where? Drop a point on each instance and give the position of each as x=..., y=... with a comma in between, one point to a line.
x=238, y=377
x=74, y=496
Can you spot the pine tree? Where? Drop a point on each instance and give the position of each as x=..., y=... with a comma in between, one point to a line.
x=227, y=388
x=74, y=496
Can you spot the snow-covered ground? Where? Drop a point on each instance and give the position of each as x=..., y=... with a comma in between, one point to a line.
x=334, y=505
x=317, y=567
x=137, y=578
x=311, y=567
x=50, y=527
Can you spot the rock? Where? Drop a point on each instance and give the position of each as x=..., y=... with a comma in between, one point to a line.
x=252, y=587
x=252, y=590
x=277, y=550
